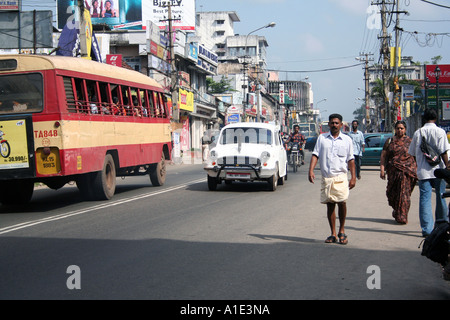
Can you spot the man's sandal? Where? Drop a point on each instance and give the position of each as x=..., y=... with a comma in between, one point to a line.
x=331, y=239
x=342, y=238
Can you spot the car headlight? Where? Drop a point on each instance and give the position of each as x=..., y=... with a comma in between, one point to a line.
x=213, y=155
x=265, y=156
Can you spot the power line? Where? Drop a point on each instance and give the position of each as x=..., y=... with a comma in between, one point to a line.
x=436, y=4
x=321, y=70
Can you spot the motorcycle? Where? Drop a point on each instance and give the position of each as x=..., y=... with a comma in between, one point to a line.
x=5, y=148
x=295, y=155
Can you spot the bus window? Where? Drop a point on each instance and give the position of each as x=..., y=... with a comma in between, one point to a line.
x=156, y=104
x=143, y=102
x=79, y=94
x=116, y=106
x=21, y=93
x=104, y=98
x=162, y=105
x=69, y=84
x=136, y=108
x=92, y=96
x=151, y=107
x=126, y=100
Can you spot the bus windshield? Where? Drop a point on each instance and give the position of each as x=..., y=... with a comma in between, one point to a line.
x=21, y=93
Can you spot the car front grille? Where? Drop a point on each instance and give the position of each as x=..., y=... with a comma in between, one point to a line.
x=239, y=160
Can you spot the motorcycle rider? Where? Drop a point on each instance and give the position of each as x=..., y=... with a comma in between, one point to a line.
x=297, y=137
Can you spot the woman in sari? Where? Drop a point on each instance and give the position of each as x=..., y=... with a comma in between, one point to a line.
x=401, y=170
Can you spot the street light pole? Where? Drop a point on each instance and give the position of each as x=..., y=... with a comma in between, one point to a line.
x=437, y=73
x=269, y=25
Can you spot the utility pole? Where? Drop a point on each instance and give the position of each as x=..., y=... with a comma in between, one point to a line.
x=173, y=70
x=397, y=60
x=365, y=56
x=385, y=51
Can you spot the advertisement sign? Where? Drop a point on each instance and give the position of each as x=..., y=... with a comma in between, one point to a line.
x=114, y=59
x=445, y=73
x=186, y=100
x=117, y=14
x=281, y=93
x=233, y=118
x=446, y=110
x=9, y=5
x=185, y=134
x=183, y=11
x=13, y=144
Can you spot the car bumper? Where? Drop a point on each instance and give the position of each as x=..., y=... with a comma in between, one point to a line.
x=241, y=172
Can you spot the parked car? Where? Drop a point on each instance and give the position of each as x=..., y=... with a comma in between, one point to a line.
x=247, y=152
x=374, y=146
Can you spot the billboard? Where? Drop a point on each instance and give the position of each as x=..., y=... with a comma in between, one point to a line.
x=131, y=14
x=183, y=11
x=9, y=5
x=445, y=73
x=114, y=13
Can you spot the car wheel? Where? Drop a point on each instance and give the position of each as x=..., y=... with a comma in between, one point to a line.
x=212, y=183
x=273, y=181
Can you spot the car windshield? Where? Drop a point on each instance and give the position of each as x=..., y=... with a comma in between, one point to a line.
x=246, y=135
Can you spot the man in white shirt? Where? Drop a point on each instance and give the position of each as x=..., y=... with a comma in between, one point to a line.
x=334, y=152
x=437, y=139
x=358, y=146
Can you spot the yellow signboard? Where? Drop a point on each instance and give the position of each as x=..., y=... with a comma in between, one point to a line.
x=13, y=144
x=399, y=55
x=186, y=100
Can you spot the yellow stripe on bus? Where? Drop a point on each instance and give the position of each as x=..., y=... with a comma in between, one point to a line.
x=90, y=134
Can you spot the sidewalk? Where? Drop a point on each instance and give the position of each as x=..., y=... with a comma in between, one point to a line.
x=369, y=215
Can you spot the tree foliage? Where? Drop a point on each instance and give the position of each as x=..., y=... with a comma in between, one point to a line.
x=223, y=86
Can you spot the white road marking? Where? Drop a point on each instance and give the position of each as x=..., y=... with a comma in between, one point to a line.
x=93, y=208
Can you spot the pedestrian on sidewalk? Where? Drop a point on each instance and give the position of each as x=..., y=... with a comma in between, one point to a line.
x=358, y=146
x=334, y=152
x=437, y=139
x=401, y=170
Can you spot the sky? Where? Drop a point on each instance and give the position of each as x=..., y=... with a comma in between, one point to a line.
x=313, y=35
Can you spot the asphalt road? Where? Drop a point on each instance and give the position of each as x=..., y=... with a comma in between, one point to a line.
x=241, y=242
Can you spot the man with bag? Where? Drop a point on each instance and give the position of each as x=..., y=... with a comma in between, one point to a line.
x=435, y=138
x=334, y=151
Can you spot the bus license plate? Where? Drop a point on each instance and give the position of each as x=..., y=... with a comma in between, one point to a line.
x=245, y=176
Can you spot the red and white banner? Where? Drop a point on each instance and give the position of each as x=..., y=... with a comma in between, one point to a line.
x=114, y=59
x=445, y=73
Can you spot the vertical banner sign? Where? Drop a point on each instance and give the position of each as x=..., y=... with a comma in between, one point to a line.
x=446, y=110
x=13, y=144
x=281, y=93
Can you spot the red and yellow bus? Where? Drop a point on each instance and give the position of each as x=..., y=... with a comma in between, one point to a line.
x=66, y=119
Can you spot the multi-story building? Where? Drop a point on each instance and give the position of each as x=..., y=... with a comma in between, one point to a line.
x=213, y=28
x=242, y=61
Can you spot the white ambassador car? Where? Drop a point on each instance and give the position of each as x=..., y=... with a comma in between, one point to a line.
x=247, y=151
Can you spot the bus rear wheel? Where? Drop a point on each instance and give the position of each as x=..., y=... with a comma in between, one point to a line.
x=157, y=172
x=16, y=191
x=104, y=184
x=99, y=185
